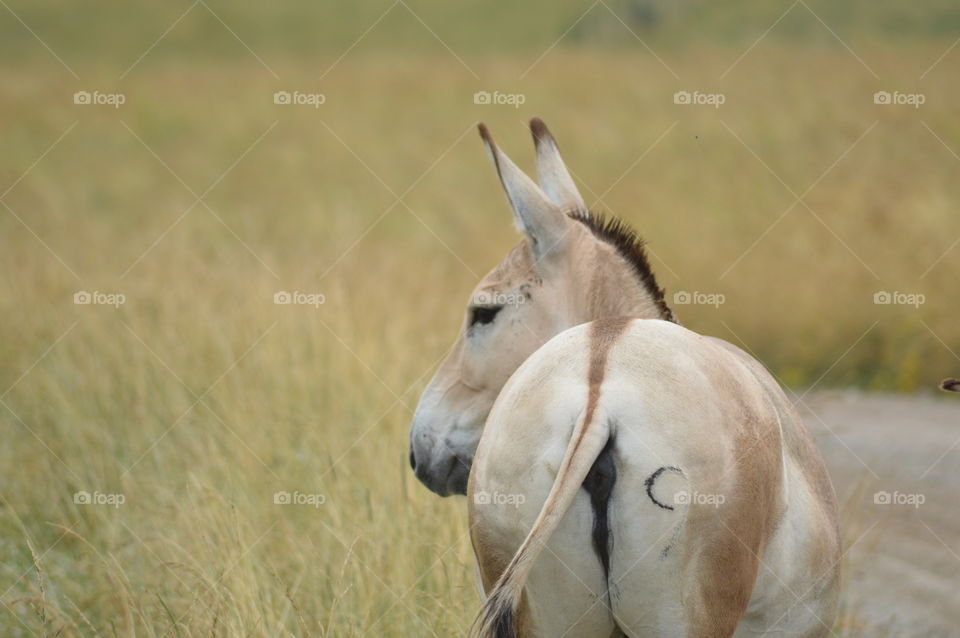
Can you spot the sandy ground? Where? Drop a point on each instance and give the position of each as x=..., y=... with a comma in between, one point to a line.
x=902, y=566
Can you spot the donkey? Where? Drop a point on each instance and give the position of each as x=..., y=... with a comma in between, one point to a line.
x=675, y=489
x=950, y=385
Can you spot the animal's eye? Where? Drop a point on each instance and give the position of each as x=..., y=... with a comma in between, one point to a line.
x=483, y=314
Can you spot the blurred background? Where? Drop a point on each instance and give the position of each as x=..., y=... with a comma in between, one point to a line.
x=185, y=453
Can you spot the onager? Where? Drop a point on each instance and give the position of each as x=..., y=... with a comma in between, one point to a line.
x=674, y=488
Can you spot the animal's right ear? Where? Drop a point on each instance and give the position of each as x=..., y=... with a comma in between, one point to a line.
x=950, y=385
x=544, y=223
x=554, y=177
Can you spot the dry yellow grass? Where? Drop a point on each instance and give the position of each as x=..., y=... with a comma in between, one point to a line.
x=199, y=398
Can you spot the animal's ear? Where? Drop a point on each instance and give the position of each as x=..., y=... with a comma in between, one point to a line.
x=545, y=224
x=950, y=385
x=554, y=177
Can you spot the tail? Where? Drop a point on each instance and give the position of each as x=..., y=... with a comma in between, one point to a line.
x=497, y=619
x=950, y=385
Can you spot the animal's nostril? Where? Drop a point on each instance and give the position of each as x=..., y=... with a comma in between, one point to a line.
x=413, y=461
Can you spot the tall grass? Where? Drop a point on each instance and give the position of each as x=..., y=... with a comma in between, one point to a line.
x=198, y=399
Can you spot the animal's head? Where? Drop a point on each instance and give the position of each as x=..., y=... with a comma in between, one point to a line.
x=570, y=268
x=950, y=385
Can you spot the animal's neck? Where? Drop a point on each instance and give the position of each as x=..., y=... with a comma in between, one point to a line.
x=613, y=289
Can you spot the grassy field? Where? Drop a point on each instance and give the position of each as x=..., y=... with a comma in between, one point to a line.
x=198, y=399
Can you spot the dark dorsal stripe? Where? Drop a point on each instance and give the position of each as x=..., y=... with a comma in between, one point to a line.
x=629, y=245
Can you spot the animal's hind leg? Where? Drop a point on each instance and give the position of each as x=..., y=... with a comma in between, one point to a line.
x=567, y=597
x=647, y=576
x=566, y=592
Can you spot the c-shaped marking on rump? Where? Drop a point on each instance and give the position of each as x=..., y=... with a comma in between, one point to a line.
x=653, y=477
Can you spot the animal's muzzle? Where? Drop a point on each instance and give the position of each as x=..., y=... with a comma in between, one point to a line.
x=443, y=476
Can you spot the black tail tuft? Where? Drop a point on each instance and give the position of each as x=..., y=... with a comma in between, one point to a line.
x=950, y=385
x=497, y=619
x=503, y=626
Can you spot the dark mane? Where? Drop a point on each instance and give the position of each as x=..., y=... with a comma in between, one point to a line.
x=629, y=245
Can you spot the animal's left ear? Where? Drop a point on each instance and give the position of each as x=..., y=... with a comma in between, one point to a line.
x=554, y=177
x=544, y=223
x=950, y=385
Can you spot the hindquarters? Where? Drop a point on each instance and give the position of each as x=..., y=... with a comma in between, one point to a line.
x=696, y=520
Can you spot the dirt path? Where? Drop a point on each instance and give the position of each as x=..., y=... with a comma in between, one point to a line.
x=902, y=567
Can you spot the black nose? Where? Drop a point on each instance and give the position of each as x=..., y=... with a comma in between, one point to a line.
x=413, y=461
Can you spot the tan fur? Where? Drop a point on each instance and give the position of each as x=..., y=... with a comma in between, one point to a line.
x=733, y=544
